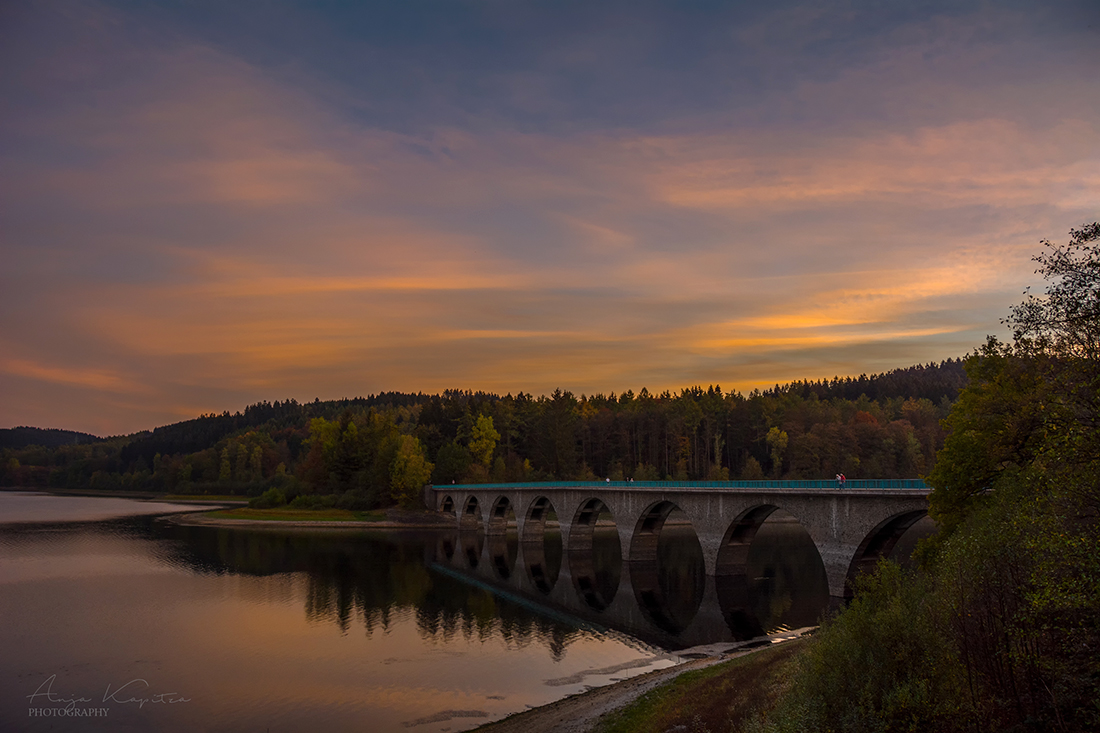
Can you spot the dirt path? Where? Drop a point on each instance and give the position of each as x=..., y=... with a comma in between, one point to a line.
x=580, y=713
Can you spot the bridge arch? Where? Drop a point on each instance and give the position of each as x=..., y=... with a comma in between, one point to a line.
x=878, y=543
x=534, y=521
x=733, y=552
x=542, y=555
x=760, y=589
x=668, y=593
x=595, y=556
x=731, y=580
x=447, y=505
x=501, y=515
x=471, y=514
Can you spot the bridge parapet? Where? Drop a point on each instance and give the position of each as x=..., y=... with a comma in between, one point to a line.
x=850, y=484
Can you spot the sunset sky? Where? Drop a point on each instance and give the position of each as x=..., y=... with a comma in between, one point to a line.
x=208, y=204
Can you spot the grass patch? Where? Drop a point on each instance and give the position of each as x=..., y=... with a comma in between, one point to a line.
x=723, y=697
x=299, y=515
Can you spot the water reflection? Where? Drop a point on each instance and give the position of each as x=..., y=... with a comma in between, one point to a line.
x=362, y=576
x=542, y=545
x=355, y=578
x=597, y=570
x=503, y=550
x=543, y=561
x=783, y=585
x=670, y=602
x=669, y=587
x=339, y=630
x=471, y=541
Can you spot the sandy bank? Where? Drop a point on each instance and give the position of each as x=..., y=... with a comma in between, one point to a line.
x=580, y=713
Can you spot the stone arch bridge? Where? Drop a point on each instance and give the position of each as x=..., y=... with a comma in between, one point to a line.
x=851, y=527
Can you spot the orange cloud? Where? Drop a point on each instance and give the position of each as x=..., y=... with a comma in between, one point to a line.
x=93, y=378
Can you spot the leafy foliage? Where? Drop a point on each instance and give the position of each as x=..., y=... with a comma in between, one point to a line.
x=995, y=426
x=1065, y=322
x=881, y=665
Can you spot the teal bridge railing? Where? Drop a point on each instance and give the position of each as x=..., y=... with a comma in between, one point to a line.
x=867, y=483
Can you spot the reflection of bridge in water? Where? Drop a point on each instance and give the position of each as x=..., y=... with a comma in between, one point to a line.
x=564, y=544
x=633, y=605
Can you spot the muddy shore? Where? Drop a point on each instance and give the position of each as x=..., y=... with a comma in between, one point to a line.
x=581, y=712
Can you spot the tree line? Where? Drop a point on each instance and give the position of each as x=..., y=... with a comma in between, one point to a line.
x=378, y=450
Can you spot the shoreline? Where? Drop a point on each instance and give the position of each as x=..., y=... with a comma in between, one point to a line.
x=581, y=712
x=201, y=519
x=205, y=505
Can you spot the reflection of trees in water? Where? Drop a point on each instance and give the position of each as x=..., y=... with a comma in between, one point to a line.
x=452, y=608
x=355, y=578
x=370, y=578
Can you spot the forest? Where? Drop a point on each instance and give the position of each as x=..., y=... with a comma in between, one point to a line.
x=379, y=450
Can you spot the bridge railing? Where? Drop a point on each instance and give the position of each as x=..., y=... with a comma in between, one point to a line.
x=871, y=483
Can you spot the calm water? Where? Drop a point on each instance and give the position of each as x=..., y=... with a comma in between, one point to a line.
x=343, y=630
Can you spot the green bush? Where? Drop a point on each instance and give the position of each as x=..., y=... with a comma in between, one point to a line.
x=269, y=499
x=1019, y=585
x=881, y=665
x=312, y=501
x=356, y=500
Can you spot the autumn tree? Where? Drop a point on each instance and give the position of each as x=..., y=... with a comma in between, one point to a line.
x=777, y=445
x=409, y=472
x=483, y=440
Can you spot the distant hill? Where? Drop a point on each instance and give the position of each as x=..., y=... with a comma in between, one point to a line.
x=23, y=436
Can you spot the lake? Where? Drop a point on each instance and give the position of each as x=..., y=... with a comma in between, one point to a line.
x=105, y=605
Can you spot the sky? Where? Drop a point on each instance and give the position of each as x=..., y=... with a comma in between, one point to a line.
x=205, y=205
